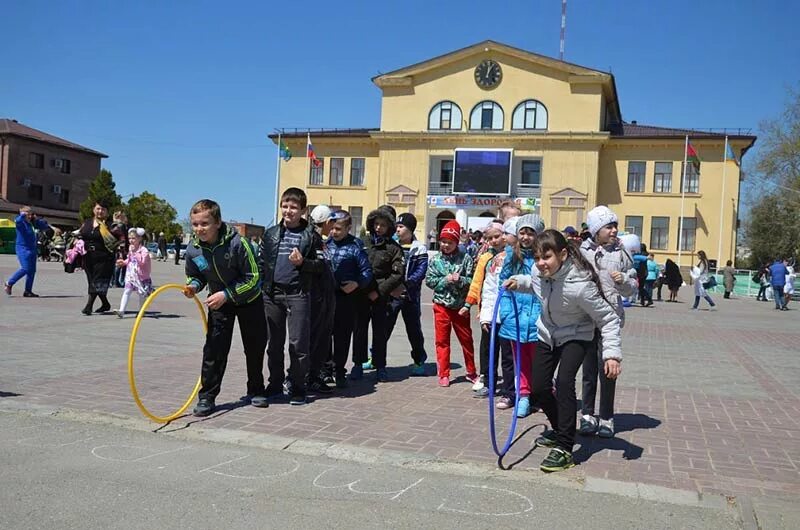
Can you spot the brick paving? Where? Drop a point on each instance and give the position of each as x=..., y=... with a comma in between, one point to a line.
x=708, y=401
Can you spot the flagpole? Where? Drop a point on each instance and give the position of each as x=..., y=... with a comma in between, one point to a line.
x=722, y=201
x=683, y=197
x=278, y=180
x=308, y=158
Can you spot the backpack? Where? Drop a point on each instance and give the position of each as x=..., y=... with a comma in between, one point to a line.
x=756, y=278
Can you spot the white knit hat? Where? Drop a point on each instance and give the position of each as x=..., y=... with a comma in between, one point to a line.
x=532, y=221
x=599, y=217
x=510, y=226
x=631, y=243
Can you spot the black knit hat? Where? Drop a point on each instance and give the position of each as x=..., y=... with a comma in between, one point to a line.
x=408, y=220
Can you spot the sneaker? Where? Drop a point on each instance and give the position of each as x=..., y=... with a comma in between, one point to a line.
x=444, y=381
x=547, y=439
x=340, y=379
x=203, y=408
x=287, y=387
x=473, y=378
x=357, y=372
x=588, y=425
x=298, y=399
x=273, y=391
x=418, y=370
x=524, y=407
x=479, y=384
x=30, y=294
x=606, y=429
x=557, y=460
x=505, y=403
x=482, y=393
x=316, y=384
x=102, y=309
x=7, y=288
x=382, y=375
x=368, y=365
x=260, y=402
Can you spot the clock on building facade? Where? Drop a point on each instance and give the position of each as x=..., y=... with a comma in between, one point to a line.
x=488, y=74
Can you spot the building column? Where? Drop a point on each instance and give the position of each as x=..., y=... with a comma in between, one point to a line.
x=461, y=217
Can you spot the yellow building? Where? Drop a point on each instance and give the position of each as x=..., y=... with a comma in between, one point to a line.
x=462, y=132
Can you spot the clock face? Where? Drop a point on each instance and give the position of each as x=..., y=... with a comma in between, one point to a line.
x=488, y=74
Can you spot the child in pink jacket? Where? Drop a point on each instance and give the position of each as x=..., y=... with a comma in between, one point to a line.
x=137, y=275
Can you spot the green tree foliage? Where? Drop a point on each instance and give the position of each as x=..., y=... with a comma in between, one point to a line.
x=773, y=228
x=102, y=188
x=153, y=214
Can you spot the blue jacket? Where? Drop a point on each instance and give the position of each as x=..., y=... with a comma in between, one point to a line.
x=639, y=261
x=778, y=271
x=26, y=237
x=652, y=270
x=416, y=267
x=528, y=304
x=349, y=261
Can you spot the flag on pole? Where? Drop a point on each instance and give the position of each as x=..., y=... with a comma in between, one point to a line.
x=310, y=153
x=284, y=152
x=730, y=155
x=691, y=156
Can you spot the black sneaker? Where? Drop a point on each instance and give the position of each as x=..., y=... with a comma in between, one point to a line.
x=7, y=288
x=298, y=399
x=557, y=460
x=103, y=309
x=203, y=408
x=287, y=387
x=317, y=385
x=273, y=391
x=30, y=294
x=259, y=401
x=341, y=379
x=547, y=439
x=382, y=375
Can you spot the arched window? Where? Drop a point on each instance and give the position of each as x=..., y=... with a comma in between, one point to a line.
x=530, y=114
x=445, y=115
x=486, y=115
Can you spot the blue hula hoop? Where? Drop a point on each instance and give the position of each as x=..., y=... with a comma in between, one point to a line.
x=517, y=362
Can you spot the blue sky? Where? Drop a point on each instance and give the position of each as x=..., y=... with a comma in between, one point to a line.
x=182, y=94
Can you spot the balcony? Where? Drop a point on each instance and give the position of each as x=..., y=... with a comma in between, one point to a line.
x=527, y=190
x=440, y=188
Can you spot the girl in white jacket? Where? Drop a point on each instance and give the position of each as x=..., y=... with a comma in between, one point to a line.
x=573, y=306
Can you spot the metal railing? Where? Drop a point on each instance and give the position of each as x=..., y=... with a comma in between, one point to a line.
x=527, y=190
x=440, y=188
x=744, y=285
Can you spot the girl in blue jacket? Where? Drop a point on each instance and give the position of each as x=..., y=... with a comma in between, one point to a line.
x=528, y=306
x=27, y=224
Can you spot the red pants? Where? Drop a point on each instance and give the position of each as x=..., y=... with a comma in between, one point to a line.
x=443, y=319
x=526, y=352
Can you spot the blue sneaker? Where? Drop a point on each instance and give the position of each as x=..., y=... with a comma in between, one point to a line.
x=418, y=369
x=368, y=365
x=357, y=372
x=524, y=407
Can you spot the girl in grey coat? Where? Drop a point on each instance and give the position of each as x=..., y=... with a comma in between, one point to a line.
x=573, y=306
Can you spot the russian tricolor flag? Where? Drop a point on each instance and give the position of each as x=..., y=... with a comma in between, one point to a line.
x=310, y=152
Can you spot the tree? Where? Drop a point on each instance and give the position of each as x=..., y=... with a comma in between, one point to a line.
x=153, y=214
x=773, y=227
x=102, y=188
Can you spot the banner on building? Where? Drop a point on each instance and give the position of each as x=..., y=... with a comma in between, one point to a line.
x=479, y=201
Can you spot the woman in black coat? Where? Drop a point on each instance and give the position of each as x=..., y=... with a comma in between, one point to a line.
x=100, y=240
x=673, y=278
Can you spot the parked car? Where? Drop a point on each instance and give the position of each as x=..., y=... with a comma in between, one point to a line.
x=152, y=248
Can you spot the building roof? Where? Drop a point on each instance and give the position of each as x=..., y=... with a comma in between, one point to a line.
x=14, y=207
x=637, y=130
x=14, y=128
x=324, y=133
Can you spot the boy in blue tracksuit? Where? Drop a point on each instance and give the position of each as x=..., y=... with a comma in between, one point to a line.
x=219, y=258
x=27, y=224
x=407, y=298
x=353, y=274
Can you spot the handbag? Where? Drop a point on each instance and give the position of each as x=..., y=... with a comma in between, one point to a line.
x=711, y=283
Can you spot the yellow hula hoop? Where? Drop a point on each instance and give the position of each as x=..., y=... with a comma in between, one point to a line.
x=132, y=346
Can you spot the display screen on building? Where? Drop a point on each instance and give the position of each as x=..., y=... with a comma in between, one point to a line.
x=482, y=171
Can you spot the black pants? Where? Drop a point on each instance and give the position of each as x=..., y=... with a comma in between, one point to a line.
x=343, y=324
x=503, y=355
x=294, y=308
x=762, y=293
x=177, y=256
x=412, y=313
x=484, y=353
x=376, y=312
x=322, y=322
x=218, y=344
x=560, y=409
x=727, y=294
x=593, y=368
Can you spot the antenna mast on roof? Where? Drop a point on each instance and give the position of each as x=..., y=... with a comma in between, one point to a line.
x=563, y=27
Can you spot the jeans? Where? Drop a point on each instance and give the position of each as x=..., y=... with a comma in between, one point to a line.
x=218, y=345
x=777, y=295
x=412, y=313
x=697, y=301
x=294, y=308
x=648, y=292
x=762, y=293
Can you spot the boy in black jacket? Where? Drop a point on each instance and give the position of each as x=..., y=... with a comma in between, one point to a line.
x=289, y=263
x=217, y=257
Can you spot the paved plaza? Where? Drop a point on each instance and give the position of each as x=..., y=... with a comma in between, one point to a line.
x=708, y=401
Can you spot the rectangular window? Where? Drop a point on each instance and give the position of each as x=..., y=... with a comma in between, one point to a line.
x=662, y=183
x=36, y=160
x=446, y=174
x=659, y=233
x=317, y=175
x=531, y=173
x=64, y=165
x=35, y=192
x=634, y=224
x=337, y=171
x=444, y=121
x=357, y=213
x=63, y=198
x=636, y=171
x=688, y=231
x=357, y=172
x=692, y=182
x=486, y=118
